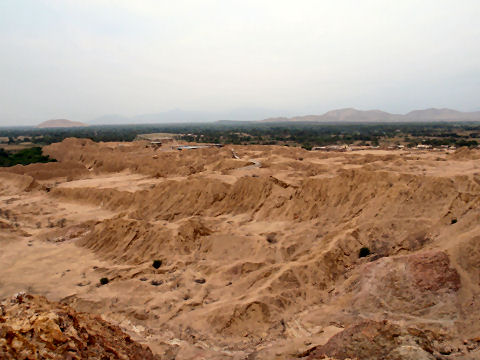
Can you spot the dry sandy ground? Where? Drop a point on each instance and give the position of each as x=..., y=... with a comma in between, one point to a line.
x=258, y=262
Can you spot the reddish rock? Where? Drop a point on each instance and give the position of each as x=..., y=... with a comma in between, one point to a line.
x=31, y=327
x=372, y=340
x=431, y=271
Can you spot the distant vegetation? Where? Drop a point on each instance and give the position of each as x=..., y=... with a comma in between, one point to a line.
x=23, y=157
x=306, y=134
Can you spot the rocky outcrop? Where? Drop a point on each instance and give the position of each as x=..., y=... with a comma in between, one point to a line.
x=31, y=327
x=371, y=340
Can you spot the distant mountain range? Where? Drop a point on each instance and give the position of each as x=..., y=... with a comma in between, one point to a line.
x=354, y=115
x=60, y=123
x=182, y=116
x=257, y=114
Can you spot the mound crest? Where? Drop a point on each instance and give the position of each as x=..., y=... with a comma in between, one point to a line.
x=13, y=183
x=131, y=241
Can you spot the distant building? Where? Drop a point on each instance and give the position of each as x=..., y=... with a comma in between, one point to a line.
x=202, y=146
x=423, y=146
x=340, y=148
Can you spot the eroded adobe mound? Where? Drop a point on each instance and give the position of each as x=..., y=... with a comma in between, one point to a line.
x=255, y=262
x=31, y=327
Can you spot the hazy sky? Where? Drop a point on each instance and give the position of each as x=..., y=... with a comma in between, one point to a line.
x=87, y=58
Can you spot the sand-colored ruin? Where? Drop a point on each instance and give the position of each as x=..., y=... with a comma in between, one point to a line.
x=260, y=254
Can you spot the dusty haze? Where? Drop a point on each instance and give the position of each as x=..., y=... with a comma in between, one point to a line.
x=243, y=60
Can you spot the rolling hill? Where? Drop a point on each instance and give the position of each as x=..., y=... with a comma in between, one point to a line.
x=60, y=123
x=354, y=115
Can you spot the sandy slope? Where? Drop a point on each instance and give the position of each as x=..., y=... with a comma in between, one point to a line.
x=257, y=262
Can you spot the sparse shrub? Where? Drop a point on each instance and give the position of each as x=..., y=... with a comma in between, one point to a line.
x=104, y=281
x=157, y=263
x=364, y=252
x=454, y=221
x=272, y=238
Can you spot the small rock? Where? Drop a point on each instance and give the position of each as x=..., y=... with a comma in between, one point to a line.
x=200, y=281
x=471, y=347
x=156, y=282
x=18, y=297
